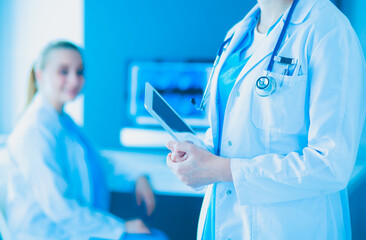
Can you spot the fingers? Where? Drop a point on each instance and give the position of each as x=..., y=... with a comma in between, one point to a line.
x=170, y=145
x=181, y=151
x=181, y=157
x=178, y=156
x=169, y=162
x=145, y=194
x=137, y=226
x=148, y=198
x=183, y=146
x=150, y=204
x=175, y=146
x=177, y=166
x=139, y=188
x=138, y=198
x=172, y=164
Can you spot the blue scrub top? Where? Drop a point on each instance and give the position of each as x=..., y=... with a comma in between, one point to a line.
x=100, y=193
x=226, y=81
x=229, y=73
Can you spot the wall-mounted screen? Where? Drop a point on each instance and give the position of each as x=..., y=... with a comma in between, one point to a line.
x=177, y=82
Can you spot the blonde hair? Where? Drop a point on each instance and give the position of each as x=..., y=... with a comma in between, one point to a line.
x=41, y=63
x=32, y=88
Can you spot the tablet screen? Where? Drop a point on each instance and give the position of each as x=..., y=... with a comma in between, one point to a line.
x=168, y=115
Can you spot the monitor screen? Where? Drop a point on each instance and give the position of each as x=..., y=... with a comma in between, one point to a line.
x=176, y=82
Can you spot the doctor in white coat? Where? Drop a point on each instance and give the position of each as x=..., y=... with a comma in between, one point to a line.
x=281, y=158
x=57, y=188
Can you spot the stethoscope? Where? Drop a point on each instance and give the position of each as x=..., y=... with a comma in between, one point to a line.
x=265, y=85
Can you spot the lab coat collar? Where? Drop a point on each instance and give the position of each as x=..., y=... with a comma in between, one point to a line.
x=301, y=11
x=237, y=33
x=299, y=15
x=39, y=101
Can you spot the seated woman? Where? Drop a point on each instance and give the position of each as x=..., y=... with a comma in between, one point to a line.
x=57, y=188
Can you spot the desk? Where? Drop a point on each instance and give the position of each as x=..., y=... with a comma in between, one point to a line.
x=152, y=164
x=177, y=206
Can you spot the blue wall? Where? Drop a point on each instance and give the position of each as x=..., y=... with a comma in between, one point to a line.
x=355, y=11
x=117, y=32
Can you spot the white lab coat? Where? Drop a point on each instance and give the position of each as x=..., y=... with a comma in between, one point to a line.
x=49, y=191
x=292, y=153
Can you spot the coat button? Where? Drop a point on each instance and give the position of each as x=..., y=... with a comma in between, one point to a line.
x=237, y=94
x=228, y=192
x=229, y=143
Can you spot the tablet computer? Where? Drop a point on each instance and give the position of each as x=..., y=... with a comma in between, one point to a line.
x=156, y=105
x=168, y=118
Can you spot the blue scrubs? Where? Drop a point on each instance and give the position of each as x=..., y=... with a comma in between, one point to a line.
x=226, y=81
x=229, y=73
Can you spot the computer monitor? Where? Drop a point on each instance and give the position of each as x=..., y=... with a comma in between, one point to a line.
x=177, y=82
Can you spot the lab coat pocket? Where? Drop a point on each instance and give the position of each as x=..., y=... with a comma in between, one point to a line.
x=283, y=110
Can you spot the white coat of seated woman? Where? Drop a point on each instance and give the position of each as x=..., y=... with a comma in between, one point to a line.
x=57, y=188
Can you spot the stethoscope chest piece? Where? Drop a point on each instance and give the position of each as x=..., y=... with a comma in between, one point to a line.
x=265, y=86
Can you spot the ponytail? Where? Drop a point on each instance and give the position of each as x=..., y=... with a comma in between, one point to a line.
x=32, y=85
x=41, y=62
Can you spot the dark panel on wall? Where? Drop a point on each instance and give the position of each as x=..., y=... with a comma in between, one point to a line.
x=176, y=216
x=119, y=31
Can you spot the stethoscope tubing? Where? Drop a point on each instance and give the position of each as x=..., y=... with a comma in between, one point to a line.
x=282, y=35
x=206, y=94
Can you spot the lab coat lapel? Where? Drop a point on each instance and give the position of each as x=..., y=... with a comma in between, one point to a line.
x=264, y=50
x=239, y=33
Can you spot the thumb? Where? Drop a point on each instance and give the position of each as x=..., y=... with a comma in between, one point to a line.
x=183, y=147
x=170, y=145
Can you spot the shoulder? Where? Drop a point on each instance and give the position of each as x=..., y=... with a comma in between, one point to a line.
x=326, y=12
x=324, y=26
x=325, y=18
x=38, y=128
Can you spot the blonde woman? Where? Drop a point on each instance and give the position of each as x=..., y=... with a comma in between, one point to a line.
x=57, y=189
